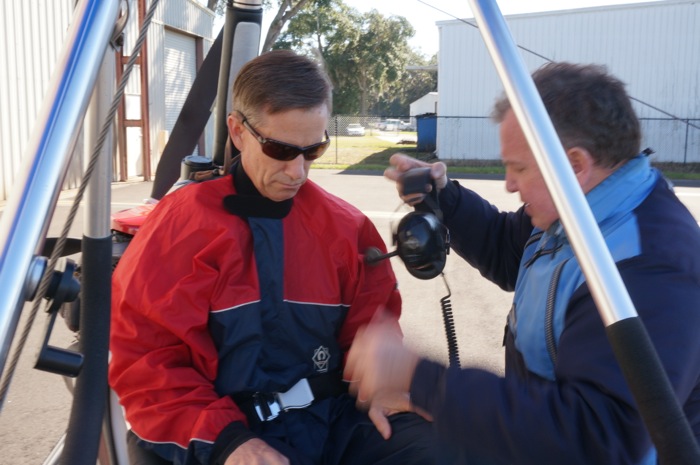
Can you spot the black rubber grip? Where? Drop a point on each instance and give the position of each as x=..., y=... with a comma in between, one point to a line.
x=657, y=403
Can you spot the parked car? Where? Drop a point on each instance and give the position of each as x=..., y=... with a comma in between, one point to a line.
x=406, y=126
x=355, y=129
x=392, y=125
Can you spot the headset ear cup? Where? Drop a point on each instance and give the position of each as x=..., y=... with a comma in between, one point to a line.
x=429, y=272
x=421, y=244
x=436, y=266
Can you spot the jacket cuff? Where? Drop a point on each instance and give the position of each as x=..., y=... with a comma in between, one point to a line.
x=449, y=198
x=428, y=385
x=228, y=440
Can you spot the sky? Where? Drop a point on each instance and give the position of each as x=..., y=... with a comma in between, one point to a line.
x=422, y=15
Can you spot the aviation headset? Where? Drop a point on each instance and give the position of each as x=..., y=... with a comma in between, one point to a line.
x=422, y=241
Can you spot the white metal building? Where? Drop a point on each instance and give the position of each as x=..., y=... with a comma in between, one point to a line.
x=653, y=47
x=426, y=104
x=33, y=35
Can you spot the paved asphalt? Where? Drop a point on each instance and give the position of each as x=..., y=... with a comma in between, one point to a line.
x=36, y=411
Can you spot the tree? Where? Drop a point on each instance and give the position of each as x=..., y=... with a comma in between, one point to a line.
x=364, y=54
x=286, y=10
x=415, y=84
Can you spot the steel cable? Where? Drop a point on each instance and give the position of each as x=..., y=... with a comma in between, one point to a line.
x=58, y=248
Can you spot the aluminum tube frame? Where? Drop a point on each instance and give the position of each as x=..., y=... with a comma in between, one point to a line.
x=240, y=44
x=608, y=290
x=90, y=391
x=33, y=198
x=98, y=195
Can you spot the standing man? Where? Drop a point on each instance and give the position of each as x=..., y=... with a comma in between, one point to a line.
x=563, y=398
x=236, y=302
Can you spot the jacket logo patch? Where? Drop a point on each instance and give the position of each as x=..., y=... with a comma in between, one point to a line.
x=321, y=357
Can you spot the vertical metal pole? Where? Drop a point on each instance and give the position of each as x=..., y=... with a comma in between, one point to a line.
x=122, y=149
x=144, y=98
x=335, y=121
x=90, y=393
x=241, y=43
x=685, y=146
x=98, y=192
x=640, y=364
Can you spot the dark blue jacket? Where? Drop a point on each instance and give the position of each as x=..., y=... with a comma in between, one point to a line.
x=563, y=398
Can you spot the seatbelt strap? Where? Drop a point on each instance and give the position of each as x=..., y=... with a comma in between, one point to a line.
x=266, y=406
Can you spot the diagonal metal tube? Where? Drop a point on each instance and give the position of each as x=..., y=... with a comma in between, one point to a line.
x=644, y=373
x=25, y=221
x=592, y=253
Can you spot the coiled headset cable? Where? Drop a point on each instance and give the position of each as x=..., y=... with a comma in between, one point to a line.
x=449, y=322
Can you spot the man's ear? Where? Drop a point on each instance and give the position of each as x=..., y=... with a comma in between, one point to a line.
x=583, y=165
x=235, y=129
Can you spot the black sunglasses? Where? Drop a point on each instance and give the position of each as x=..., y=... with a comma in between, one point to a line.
x=283, y=151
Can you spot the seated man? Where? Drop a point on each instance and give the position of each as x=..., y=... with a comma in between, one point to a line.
x=235, y=304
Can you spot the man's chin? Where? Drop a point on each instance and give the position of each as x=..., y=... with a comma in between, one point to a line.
x=284, y=194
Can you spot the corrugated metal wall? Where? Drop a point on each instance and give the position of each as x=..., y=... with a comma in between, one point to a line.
x=180, y=69
x=196, y=21
x=31, y=39
x=653, y=47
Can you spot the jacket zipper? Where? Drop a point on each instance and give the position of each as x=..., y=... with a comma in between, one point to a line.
x=549, y=313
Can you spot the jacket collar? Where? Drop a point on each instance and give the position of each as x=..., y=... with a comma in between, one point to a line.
x=620, y=192
x=248, y=202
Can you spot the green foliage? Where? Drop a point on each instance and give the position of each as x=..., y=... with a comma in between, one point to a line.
x=414, y=85
x=365, y=56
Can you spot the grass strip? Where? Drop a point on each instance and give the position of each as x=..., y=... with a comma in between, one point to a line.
x=372, y=152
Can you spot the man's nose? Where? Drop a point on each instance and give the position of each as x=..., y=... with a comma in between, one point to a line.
x=511, y=185
x=295, y=169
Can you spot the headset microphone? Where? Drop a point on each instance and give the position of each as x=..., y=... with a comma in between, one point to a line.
x=373, y=255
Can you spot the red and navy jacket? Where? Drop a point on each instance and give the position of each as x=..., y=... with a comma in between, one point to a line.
x=221, y=293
